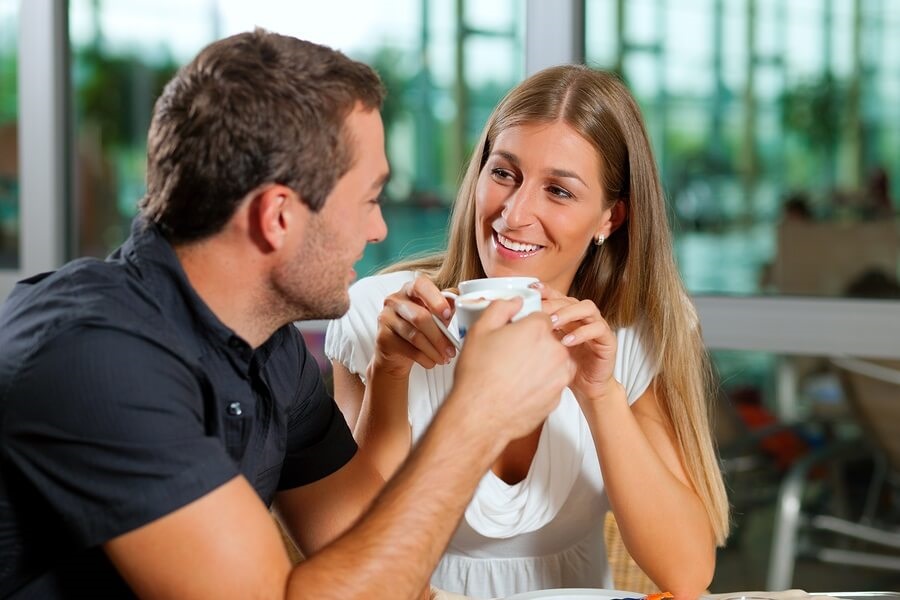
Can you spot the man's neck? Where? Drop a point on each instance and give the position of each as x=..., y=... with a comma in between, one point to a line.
x=231, y=287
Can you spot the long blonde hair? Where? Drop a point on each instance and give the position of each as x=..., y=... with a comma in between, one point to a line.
x=633, y=280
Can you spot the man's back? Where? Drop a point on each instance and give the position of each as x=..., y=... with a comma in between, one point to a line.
x=123, y=398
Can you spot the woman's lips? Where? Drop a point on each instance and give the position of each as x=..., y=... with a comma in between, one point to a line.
x=510, y=248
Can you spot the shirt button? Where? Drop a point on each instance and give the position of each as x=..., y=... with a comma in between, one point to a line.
x=235, y=410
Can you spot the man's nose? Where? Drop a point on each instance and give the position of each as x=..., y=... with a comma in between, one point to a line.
x=377, y=227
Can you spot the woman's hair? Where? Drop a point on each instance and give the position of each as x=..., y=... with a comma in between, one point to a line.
x=632, y=278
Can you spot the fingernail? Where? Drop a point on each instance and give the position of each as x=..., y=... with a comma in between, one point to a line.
x=447, y=312
x=536, y=285
x=554, y=318
x=450, y=352
x=568, y=339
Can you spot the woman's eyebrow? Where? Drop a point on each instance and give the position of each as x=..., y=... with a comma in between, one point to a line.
x=508, y=156
x=567, y=174
x=562, y=173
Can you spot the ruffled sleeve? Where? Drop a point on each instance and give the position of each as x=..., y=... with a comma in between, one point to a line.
x=350, y=340
x=635, y=367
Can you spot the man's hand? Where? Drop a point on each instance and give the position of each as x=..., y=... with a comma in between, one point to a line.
x=511, y=374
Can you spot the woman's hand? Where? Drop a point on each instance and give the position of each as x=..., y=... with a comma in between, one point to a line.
x=592, y=344
x=407, y=333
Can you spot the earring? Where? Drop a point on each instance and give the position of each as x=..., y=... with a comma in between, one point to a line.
x=599, y=239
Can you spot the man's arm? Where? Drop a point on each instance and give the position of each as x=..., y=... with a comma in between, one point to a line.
x=222, y=545
x=225, y=545
x=317, y=513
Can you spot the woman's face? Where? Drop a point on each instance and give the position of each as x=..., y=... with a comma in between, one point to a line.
x=539, y=204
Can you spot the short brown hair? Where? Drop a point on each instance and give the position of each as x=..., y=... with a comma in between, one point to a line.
x=250, y=109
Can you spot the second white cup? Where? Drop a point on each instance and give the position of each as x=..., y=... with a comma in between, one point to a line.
x=496, y=283
x=470, y=305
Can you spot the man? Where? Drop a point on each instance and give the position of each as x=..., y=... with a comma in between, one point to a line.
x=152, y=405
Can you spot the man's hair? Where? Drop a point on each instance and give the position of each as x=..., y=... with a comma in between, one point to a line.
x=251, y=109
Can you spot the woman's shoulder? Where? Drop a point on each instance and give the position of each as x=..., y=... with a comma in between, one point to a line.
x=381, y=285
x=635, y=333
x=636, y=346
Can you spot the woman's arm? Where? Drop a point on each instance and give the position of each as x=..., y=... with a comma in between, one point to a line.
x=348, y=393
x=662, y=521
x=377, y=414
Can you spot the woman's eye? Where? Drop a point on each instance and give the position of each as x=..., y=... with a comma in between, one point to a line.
x=501, y=174
x=559, y=192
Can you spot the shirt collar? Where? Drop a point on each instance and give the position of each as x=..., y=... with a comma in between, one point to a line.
x=156, y=262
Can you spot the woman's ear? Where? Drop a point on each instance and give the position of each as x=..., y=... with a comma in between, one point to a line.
x=616, y=215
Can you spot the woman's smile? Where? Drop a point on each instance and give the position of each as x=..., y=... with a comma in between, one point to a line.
x=512, y=249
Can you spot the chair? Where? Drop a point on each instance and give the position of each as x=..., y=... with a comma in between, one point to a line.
x=755, y=450
x=808, y=262
x=626, y=574
x=873, y=391
x=293, y=552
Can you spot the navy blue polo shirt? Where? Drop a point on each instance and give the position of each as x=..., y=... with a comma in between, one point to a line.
x=123, y=398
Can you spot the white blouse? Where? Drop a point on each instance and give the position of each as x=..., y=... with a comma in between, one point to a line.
x=545, y=531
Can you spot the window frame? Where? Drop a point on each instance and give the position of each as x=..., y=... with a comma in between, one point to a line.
x=554, y=33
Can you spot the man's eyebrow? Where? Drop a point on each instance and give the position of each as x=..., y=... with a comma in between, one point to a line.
x=564, y=173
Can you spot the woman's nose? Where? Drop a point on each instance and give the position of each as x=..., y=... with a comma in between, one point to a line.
x=518, y=210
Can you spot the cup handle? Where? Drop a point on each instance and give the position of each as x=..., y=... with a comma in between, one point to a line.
x=449, y=334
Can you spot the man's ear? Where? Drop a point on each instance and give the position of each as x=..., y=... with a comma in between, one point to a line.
x=278, y=209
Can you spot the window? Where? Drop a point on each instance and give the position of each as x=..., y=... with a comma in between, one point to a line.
x=9, y=152
x=444, y=64
x=775, y=124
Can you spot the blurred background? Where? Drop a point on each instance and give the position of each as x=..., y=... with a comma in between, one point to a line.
x=776, y=126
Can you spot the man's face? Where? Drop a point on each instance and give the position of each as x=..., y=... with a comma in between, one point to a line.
x=317, y=278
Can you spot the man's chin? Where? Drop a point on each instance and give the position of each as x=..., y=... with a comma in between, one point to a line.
x=323, y=312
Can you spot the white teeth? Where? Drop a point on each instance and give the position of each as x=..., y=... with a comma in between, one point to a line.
x=516, y=246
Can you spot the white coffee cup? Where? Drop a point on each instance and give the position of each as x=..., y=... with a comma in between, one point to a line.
x=496, y=283
x=470, y=305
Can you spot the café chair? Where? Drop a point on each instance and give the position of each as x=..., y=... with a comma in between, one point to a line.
x=872, y=388
x=626, y=574
x=293, y=552
x=755, y=450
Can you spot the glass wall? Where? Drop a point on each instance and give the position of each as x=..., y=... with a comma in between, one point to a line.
x=445, y=66
x=777, y=129
x=9, y=152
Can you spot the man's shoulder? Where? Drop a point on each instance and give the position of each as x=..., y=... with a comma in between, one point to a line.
x=82, y=296
x=81, y=289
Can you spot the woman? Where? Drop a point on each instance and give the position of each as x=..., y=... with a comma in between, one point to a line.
x=563, y=187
